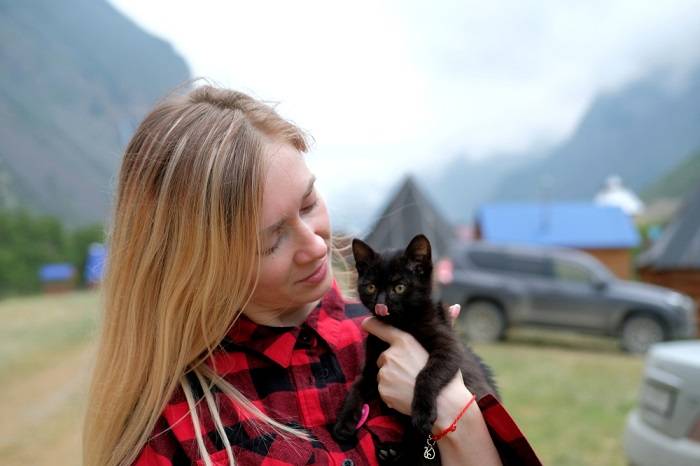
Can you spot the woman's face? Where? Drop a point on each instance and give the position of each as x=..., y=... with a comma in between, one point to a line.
x=296, y=270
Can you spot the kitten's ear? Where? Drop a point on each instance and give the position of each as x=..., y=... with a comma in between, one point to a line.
x=363, y=254
x=418, y=249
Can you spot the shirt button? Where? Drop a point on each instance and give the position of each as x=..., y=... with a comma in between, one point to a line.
x=306, y=339
x=348, y=462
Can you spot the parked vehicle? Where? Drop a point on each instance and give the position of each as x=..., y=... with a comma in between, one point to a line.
x=507, y=286
x=665, y=428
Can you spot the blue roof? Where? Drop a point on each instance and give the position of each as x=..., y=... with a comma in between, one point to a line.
x=568, y=224
x=56, y=272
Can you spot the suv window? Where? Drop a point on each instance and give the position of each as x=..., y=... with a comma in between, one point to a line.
x=571, y=271
x=529, y=266
x=487, y=260
x=509, y=263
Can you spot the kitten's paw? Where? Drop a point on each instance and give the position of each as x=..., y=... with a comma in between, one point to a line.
x=388, y=453
x=423, y=418
x=344, y=430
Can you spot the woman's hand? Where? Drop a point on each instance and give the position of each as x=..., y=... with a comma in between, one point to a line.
x=400, y=364
x=453, y=313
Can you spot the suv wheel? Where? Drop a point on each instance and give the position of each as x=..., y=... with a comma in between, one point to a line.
x=639, y=332
x=484, y=322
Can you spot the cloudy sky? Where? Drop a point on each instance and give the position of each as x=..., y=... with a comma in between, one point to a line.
x=387, y=87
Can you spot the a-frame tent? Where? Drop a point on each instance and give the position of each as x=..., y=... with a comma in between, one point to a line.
x=408, y=213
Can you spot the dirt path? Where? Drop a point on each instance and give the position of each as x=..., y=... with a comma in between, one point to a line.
x=42, y=413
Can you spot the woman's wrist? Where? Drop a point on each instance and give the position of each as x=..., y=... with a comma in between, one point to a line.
x=451, y=401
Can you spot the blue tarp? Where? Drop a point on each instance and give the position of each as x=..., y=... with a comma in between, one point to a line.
x=94, y=265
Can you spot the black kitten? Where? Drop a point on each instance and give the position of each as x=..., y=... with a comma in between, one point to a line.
x=396, y=287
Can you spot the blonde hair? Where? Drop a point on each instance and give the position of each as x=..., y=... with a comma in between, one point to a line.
x=180, y=269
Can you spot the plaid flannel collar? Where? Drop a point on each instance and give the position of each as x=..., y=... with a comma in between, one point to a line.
x=277, y=343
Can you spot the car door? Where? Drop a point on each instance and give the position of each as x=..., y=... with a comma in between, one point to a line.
x=570, y=298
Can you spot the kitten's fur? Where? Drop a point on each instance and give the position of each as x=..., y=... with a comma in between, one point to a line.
x=411, y=309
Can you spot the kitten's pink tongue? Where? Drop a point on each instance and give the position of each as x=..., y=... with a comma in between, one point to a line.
x=381, y=310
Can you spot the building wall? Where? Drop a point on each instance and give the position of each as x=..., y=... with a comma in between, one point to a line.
x=684, y=281
x=617, y=260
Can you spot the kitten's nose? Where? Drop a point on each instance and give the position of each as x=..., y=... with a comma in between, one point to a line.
x=381, y=310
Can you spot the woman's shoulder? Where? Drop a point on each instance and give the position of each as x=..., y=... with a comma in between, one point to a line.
x=165, y=446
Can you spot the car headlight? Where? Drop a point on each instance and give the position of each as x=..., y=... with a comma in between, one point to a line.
x=657, y=398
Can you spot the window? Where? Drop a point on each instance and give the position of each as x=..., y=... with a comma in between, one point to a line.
x=571, y=271
x=510, y=263
x=539, y=267
x=487, y=260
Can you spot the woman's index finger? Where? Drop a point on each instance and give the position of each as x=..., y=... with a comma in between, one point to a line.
x=380, y=330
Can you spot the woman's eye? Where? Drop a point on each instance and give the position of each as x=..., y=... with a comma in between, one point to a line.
x=310, y=207
x=278, y=240
x=400, y=288
x=370, y=288
x=271, y=249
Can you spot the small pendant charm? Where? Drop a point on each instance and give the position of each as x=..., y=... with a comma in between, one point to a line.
x=428, y=450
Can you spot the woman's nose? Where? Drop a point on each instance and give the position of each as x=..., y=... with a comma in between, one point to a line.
x=313, y=246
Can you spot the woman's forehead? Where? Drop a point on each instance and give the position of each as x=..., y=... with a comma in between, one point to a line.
x=286, y=182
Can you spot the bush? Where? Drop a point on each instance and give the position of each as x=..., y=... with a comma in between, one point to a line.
x=28, y=241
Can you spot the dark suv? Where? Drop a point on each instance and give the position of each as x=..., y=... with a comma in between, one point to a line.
x=503, y=286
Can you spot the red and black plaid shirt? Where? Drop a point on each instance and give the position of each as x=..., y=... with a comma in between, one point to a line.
x=299, y=376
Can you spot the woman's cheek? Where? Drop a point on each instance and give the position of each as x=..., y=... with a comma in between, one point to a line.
x=271, y=276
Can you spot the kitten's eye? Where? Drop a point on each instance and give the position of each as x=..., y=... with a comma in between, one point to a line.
x=370, y=288
x=400, y=288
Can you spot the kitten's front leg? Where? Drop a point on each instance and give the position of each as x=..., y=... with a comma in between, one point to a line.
x=344, y=428
x=436, y=374
x=363, y=389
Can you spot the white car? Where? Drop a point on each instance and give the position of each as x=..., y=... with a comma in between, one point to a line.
x=664, y=430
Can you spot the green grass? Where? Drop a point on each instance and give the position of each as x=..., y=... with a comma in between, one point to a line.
x=569, y=394
x=45, y=355
x=36, y=330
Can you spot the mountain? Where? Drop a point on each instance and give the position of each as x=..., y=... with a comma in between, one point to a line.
x=638, y=132
x=679, y=182
x=77, y=77
x=465, y=183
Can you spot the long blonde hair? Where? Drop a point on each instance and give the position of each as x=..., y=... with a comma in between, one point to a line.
x=181, y=264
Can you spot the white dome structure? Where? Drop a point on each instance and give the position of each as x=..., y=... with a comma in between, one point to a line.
x=615, y=194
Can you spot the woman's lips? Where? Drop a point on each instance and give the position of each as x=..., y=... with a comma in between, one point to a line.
x=317, y=275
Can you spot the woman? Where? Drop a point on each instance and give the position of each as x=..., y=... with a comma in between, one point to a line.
x=224, y=337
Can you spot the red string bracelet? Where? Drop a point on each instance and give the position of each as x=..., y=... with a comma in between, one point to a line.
x=453, y=426
x=428, y=450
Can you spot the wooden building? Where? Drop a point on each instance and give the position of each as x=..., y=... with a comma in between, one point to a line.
x=673, y=260
x=605, y=232
x=57, y=277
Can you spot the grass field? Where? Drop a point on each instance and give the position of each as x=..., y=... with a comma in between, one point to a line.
x=569, y=394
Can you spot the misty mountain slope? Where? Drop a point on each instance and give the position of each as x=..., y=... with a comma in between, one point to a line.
x=463, y=184
x=679, y=182
x=77, y=77
x=638, y=132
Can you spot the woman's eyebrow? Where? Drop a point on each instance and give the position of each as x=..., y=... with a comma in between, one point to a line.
x=278, y=225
